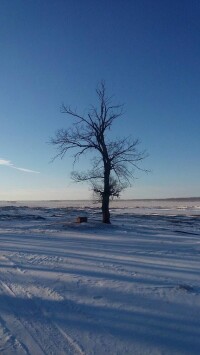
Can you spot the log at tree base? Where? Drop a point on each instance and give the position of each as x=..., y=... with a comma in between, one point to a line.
x=81, y=220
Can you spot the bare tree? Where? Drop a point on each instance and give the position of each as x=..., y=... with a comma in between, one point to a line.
x=115, y=161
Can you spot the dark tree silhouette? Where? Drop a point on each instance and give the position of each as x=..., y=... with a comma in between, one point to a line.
x=112, y=168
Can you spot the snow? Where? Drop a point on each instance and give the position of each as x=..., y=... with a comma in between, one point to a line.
x=132, y=287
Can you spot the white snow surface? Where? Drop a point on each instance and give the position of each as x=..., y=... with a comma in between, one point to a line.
x=132, y=287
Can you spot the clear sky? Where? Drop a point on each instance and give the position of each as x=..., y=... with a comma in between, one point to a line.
x=55, y=51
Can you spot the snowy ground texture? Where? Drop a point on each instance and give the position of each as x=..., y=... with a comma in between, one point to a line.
x=132, y=287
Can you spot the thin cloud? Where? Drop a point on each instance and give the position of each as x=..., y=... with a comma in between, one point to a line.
x=27, y=170
x=5, y=162
x=11, y=165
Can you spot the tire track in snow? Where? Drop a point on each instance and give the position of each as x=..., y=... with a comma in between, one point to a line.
x=15, y=326
x=8, y=343
x=71, y=341
x=45, y=344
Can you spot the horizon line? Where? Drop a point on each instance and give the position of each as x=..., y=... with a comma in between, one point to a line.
x=120, y=199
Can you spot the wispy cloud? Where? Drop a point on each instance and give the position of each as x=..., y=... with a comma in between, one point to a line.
x=5, y=162
x=11, y=165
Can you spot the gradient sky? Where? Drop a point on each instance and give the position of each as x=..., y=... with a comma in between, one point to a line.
x=55, y=51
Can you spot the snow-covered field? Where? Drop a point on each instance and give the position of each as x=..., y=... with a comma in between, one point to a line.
x=132, y=287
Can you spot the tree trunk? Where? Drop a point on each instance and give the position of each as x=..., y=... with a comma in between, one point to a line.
x=106, y=194
x=105, y=209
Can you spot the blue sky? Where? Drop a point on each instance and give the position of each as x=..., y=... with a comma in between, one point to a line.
x=148, y=52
